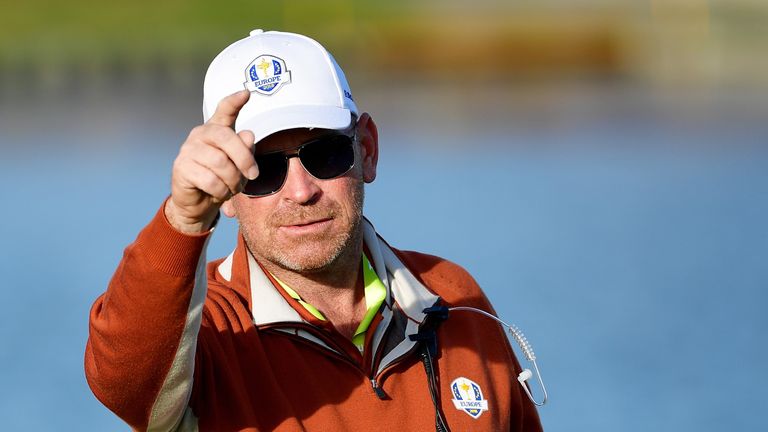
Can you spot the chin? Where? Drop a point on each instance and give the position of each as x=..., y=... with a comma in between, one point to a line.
x=315, y=255
x=301, y=263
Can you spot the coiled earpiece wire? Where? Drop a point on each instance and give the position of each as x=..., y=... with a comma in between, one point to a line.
x=525, y=346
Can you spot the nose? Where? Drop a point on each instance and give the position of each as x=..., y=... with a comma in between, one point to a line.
x=300, y=187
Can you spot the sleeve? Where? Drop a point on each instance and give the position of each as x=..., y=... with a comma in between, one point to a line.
x=139, y=358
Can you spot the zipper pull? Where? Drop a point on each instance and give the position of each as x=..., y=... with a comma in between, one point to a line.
x=378, y=390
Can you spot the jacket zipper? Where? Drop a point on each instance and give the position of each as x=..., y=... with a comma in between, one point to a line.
x=374, y=378
x=339, y=353
x=378, y=390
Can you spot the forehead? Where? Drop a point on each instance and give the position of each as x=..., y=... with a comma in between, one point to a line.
x=288, y=139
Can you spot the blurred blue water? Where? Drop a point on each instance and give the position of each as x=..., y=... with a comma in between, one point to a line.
x=638, y=273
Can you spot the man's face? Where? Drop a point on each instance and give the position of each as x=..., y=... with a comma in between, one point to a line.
x=309, y=224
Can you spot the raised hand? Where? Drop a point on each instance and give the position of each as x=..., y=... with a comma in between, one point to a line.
x=213, y=164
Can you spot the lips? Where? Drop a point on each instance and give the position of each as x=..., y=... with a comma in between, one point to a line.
x=306, y=223
x=306, y=228
x=301, y=219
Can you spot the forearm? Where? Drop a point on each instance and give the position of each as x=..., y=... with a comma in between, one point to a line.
x=143, y=329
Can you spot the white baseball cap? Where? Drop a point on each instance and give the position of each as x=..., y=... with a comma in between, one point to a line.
x=294, y=83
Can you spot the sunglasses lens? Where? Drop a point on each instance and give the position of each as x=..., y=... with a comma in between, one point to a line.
x=328, y=157
x=324, y=158
x=272, y=170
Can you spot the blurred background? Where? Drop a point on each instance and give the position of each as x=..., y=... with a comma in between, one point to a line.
x=599, y=166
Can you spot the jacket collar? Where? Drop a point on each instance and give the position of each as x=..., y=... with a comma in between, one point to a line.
x=404, y=305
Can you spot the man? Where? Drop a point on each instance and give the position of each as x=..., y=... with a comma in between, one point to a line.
x=313, y=322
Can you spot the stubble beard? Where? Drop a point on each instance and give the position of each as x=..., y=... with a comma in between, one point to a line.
x=314, y=253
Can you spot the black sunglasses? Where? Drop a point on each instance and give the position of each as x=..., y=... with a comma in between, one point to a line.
x=327, y=157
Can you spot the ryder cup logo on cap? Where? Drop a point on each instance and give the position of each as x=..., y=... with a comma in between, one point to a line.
x=266, y=74
x=468, y=397
x=294, y=83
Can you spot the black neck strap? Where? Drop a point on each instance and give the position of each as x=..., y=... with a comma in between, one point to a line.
x=427, y=339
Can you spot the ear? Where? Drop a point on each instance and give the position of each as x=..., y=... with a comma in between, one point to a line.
x=368, y=136
x=228, y=207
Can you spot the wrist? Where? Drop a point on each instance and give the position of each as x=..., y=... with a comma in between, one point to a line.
x=189, y=225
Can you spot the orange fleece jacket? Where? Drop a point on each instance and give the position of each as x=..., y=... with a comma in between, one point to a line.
x=167, y=352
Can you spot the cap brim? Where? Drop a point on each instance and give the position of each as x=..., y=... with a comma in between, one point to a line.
x=291, y=117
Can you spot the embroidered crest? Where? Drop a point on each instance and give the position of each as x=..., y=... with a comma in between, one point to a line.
x=468, y=397
x=266, y=75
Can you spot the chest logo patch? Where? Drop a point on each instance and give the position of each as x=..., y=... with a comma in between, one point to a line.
x=468, y=397
x=266, y=74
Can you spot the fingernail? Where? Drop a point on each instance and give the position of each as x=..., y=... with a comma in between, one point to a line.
x=253, y=172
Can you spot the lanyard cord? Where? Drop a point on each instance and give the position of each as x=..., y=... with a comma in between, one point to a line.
x=440, y=425
x=427, y=337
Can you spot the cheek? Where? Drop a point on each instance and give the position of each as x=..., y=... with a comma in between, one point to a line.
x=350, y=196
x=247, y=212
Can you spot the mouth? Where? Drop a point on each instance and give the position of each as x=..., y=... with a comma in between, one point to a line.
x=306, y=227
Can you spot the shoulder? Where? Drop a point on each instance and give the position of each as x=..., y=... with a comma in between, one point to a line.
x=445, y=278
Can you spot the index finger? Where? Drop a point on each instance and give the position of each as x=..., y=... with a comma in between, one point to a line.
x=229, y=107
